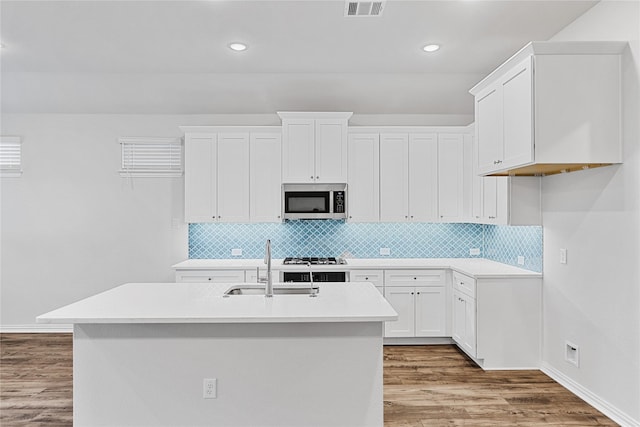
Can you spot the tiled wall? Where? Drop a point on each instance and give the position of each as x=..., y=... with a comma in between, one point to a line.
x=335, y=238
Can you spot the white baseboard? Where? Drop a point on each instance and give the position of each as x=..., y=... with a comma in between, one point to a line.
x=591, y=398
x=417, y=341
x=35, y=328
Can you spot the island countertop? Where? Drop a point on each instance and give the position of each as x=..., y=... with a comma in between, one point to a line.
x=206, y=303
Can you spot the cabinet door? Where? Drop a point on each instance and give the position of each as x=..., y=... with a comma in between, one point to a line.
x=423, y=177
x=200, y=178
x=402, y=301
x=517, y=96
x=364, y=178
x=330, y=151
x=431, y=315
x=464, y=322
x=233, y=177
x=265, y=189
x=298, y=150
x=490, y=199
x=450, y=177
x=469, y=343
x=489, y=129
x=394, y=177
x=459, y=322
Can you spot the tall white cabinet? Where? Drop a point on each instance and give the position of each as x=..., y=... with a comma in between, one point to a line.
x=217, y=177
x=364, y=178
x=265, y=172
x=232, y=174
x=408, y=177
x=454, y=177
x=314, y=147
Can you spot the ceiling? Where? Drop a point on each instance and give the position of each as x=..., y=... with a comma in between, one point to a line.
x=157, y=57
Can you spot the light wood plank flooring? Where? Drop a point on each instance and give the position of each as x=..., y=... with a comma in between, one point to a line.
x=424, y=386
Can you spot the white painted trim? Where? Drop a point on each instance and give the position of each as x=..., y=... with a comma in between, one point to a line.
x=591, y=398
x=35, y=328
x=418, y=341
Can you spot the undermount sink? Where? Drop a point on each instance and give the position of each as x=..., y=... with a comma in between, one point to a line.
x=277, y=290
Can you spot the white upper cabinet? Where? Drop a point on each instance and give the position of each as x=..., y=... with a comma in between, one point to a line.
x=408, y=177
x=220, y=171
x=200, y=178
x=423, y=177
x=314, y=147
x=217, y=177
x=552, y=107
x=364, y=178
x=394, y=177
x=454, y=177
x=233, y=177
x=265, y=173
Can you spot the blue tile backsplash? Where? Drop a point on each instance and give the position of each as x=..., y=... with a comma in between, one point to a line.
x=334, y=238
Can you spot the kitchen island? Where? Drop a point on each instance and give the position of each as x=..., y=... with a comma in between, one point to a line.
x=145, y=355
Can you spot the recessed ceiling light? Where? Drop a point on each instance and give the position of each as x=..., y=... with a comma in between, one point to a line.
x=238, y=47
x=431, y=47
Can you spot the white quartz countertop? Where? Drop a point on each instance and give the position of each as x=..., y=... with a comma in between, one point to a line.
x=478, y=268
x=205, y=303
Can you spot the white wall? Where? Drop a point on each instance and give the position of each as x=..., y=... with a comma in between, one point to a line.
x=72, y=227
x=594, y=300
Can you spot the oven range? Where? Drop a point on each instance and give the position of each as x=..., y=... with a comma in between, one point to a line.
x=313, y=265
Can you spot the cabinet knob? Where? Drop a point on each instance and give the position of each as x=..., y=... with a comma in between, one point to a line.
x=209, y=279
x=317, y=177
x=406, y=216
x=278, y=216
x=366, y=278
x=415, y=278
x=219, y=216
x=411, y=293
x=350, y=217
x=411, y=216
x=311, y=177
x=418, y=293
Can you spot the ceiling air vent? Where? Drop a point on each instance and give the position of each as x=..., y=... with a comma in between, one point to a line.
x=364, y=8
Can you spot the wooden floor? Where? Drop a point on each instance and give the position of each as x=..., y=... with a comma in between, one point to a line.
x=424, y=386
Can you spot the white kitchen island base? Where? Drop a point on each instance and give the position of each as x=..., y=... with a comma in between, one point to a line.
x=295, y=374
x=142, y=352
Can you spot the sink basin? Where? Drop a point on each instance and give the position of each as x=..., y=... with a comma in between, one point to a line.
x=277, y=290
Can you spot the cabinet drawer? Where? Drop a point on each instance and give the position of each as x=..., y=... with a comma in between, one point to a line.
x=374, y=276
x=414, y=277
x=464, y=284
x=210, y=276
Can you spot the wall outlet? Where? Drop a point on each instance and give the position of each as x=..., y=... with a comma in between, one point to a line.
x=563, y=256
x=474, y=251
x=520, y=260
x=236, y=252
x=209, y=388
x=572, y=354
x=385, y=251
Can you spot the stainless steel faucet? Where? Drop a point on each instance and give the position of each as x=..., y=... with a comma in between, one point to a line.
x=268, y=289
x=313, y=292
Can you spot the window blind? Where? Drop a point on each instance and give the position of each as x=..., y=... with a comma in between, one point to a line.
x=10, y=156
x=151, y=157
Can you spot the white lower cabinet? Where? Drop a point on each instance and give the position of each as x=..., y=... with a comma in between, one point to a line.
x=497, y=321
x=464, y=322
x=210, y=276
x=373, y=276
x=422, y=307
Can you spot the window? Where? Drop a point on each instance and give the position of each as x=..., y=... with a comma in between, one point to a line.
x=151, y=157
x=10, y=156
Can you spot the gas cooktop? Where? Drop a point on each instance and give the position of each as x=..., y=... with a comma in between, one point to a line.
x=312, y=261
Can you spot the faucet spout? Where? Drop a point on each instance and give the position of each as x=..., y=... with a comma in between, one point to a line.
x=268, y=289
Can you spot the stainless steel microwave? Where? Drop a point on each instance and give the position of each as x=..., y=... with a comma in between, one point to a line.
x=314, y=201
